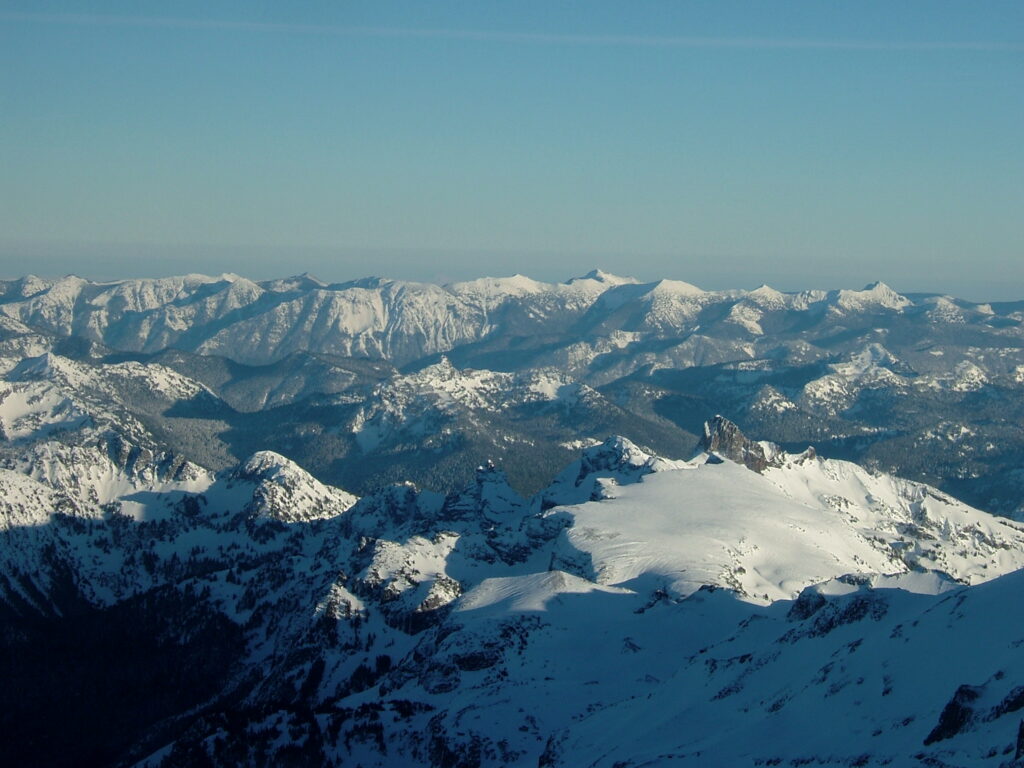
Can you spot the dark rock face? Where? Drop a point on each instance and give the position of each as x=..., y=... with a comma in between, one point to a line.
x=806, y=605
x=1013, y=701
x=723, y=437
x=956, y=715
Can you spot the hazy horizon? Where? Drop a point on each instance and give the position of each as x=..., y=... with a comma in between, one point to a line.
x=335, y=274
x=726, y=144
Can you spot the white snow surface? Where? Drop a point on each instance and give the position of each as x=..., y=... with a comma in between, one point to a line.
x=767, y=537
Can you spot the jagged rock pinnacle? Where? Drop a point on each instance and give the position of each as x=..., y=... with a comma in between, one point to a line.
x=723, y=437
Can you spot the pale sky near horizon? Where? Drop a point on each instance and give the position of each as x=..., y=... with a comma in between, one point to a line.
x=799, y=144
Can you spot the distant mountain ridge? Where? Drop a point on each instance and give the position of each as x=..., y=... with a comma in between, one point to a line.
x=262, y=322
x=929, y=387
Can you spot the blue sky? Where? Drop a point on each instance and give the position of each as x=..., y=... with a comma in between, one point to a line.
x=817, y=144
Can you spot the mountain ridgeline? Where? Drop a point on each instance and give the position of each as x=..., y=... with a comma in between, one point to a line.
x=377, y=381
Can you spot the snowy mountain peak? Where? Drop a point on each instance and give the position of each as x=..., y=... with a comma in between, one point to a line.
x=616, y=452
x=286, y=492
x=767, y=298
x=616, y=460
x=491, y=475
x=488, y=495
x=668, y=287
x=28, y=286
x=875, y=295
x=34, y=368
x=877, y=287
x=269, y=465
x=498, y=288
x=301, y=282
x=601, y=276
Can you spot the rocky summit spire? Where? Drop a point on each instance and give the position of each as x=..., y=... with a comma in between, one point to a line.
x=724, y=438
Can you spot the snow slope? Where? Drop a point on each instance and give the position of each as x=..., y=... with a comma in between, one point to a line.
x=768, y=536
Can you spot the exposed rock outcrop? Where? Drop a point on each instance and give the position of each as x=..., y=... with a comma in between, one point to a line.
x=724, y=438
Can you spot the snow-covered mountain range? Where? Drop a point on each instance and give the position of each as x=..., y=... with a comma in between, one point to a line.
x=261, y=323
x=926, y=386
x=184, y=581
